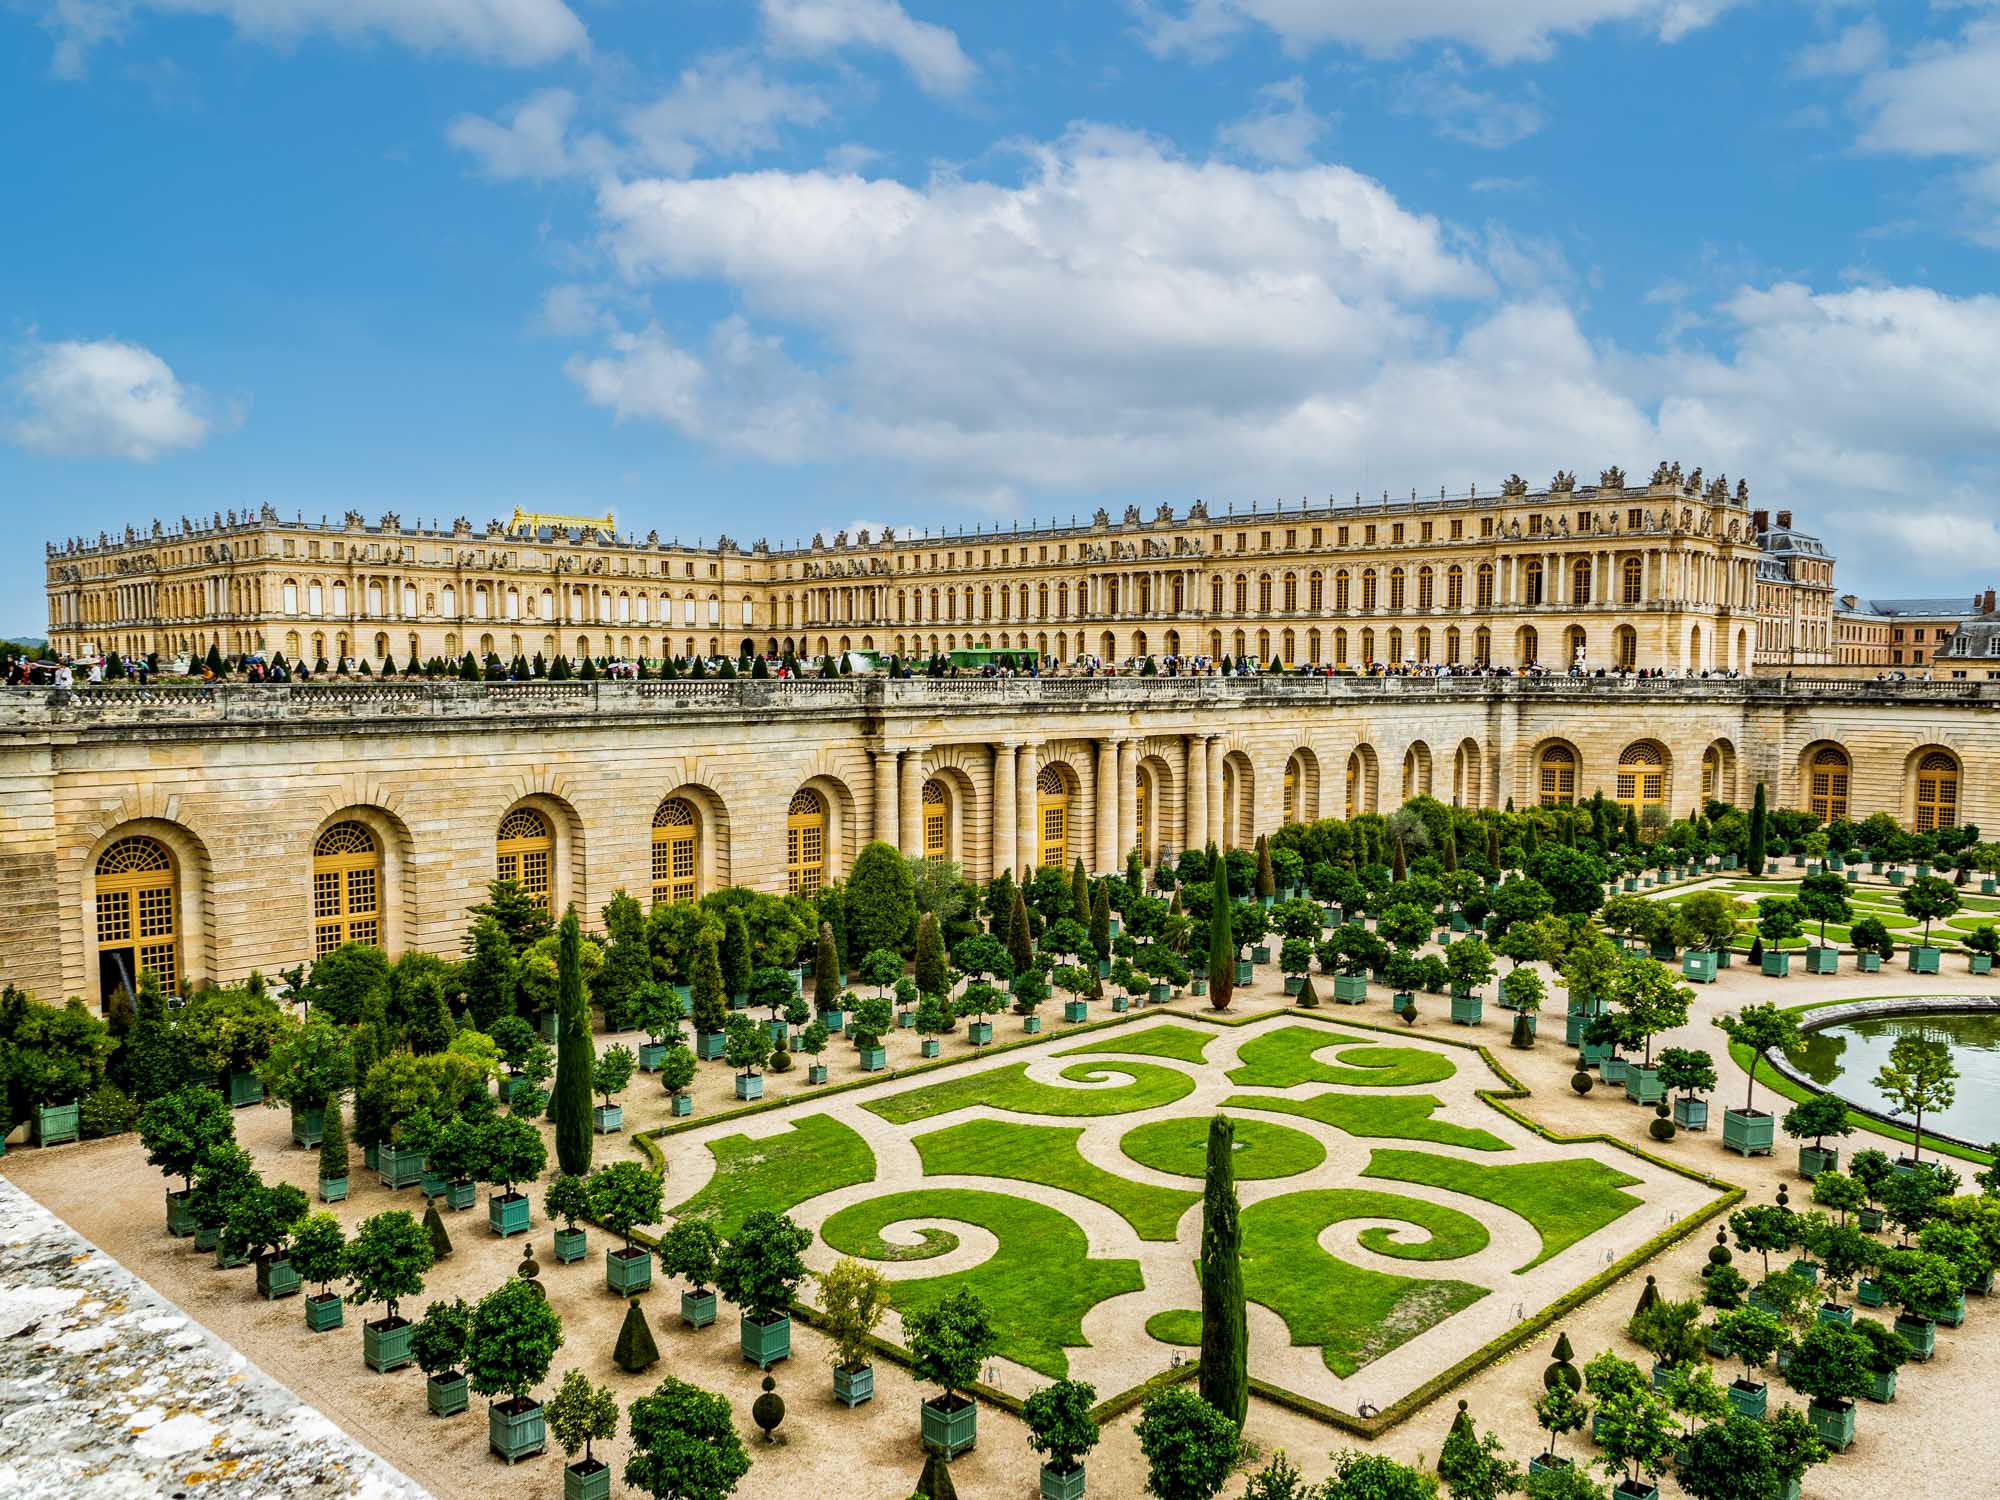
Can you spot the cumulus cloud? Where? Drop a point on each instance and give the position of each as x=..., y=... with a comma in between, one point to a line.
x=105, y=399
x=1459, y=112
x=1854, y=49
x=1940, y=102
x=817, y=28
x=532, y=143
x=1282, y=129
x=516, y=33
x=1500, y=29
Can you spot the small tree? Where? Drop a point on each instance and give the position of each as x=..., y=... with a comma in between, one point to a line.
x=611, y=1072
x=1190, y=1447
x=932, y=974
x=852, y=1299
x=1753, y=1336
x=1636, y=1431
x=1222, y=940
x=949, y=1341
x=1919, y=1075
x=677, y=1070
x=439, y=1340
x=762, y=1264
x=1815, y=1118
x=1823, y=899
x=511, y=1150
x=385, y=1262
x=333, y=1144
x=1871, y=935
x=1928, y=898
x=567, y=1199
x=1831, y=1364
x=623, y=1196
x=1560, y=1410
x=1762, y=1029
x=260, y=1220
x=1732, y=1459
x=1471, y=1466
x=1686, y=1071
x=684, y=1444
x=513, y=1341
x=688, y=1250
x=1060, y=1427
x=178, y=1129
x=318, y=1250
x=579, y=1414
x=748, y=1046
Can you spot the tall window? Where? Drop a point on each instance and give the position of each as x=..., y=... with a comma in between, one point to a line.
x=1579, y=583
x=1316, y=592
x=1827, y=784
x=1557, y=769
x=1454, y=589
x=1937, y=792
x=805, y=842
x=1633, y=574
x=347, y=888
x=1368, y=589
x=937, y=821
x=1291, y=592
x=1484, y=591
x=1264, y=593
x=525, y=852
x=1425, y=583
x=1396, y=588
x=676, y=850
x=1052, y=816
x=1242, y=594
x=1711, y=772
x=1642, y=778
x=136, y=925
x=1340, y=589
x=1531, y=582
x=1142, y=798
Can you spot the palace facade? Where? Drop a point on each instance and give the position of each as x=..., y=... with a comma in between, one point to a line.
x=204, y=832
x=1663, y=574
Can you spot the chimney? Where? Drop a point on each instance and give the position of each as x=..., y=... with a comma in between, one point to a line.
x=1988, y=609
x=1784, y=520
x=1760, y=521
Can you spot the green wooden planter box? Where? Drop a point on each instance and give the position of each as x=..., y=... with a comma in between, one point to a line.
x=779, y=1032
x=180, y=1223
x=764, y=1344
x=308, y=1124
x=875, y=1059
x=275, y=1279
x=1546, y=1463
x=979, y=1033
x=206, y=1236
x=593, y=1483
x=548, y=1022
x=1030, y=1026
x=1691, y=1113
x=905, y=1019
x=1815, y=1160
x=1806, y=1270
x=508, y=1214
x=1750, y=1402
x=1198, y=985
x=929, y=1047
x=1698, y=966
x=1642, y=1085
x=1466, y=1009
x=386, y=1348
x=245, y=1089
x=1883, y=1391
x=1981, y=963
x=1869, y=963
x=432, y=1184
x=1723, y=958
x=460, y=1195
x=852, y=1387
x=1868, y=1293
x=1120, y=1004
x=1954, y=1316
x=323, y=1314
x=1573, y=1025
x=651, y=1055
x=516, y=1434
x=1350, y=989
x=1524, y=1030
x=1988, y=885
x=1922, y=1334
x=607, y=1118
x=1243, y=971
x=697, y=1309
x=371, y=1156
x=708, y=1045
x=628, y=1273
x=1260, y=954
x=1925, y=960
x=1057, y=1485
x=749, y=1085
x=1750, y=1133
x=1075, y=1010
x=519, y=1089
x=446, y=1395
x=1400, y=1002
x=1629, y=883
x=950, y=1431
x=58, y=1123
x=1834, y=1312
x=1596, y=1054
x=1666, y=953
x=834, y=1021
x=1871, y=1220
x=571, y=1245
x=228, y=1260
x=1832, y=1425
x=400, y=1169
x=685, y=993
x=1777, y=964
x=1104, y=968
x=1854, y=877
x=1822, y=960
x=1895, y=877
x=1612, y=1069
x=680, y=1106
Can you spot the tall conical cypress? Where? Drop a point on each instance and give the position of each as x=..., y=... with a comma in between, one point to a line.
x=1267, y=878
x=1079, y=891
x=735, y=954
x=569, y=1106
x=1221, y=944
x=1020, y=947
x=1100, y=922
x=1451, y=851
x=434, y=1227
x=705, y=987
x=636, y=1349
x=1753, y=859
x=1399, y=864
x=1225, y=1331
x=826, y=971
x=933, y=978
x=333, y=1143
x=1493, y=848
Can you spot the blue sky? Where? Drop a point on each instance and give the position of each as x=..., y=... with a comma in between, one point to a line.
x=777, y=266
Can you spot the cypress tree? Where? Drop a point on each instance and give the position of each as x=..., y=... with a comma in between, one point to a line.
x=1451, y=851
x=1267, y=878
x=434, y=1227
x=1135, y=875
x=826, y=972
x=1532, y=844
x=933, y=977
x=636, y=1349
x=213, y=661
x=569, y=1104
x=1079, y=891
x=705, y=988
x=1100, y=921
x=1631, y=828
x=1399, y=865
x=735, y=954
x=1493, y=847
x=1000, y=906
x=1760, y=815
x=1020, y=948
x=1221, y=945
x=1225, y=1332
x=333, y=1143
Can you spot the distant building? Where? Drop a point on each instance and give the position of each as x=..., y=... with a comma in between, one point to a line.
x=1973, y=649
x=1794, y=596
x=1874, y=636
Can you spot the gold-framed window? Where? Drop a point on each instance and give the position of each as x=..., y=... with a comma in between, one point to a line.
x=676, y=851
x=524, y=852
x=347, y=888
x=805, y=842
x=138, y=896
x=1052, y=816
x=1557, y=775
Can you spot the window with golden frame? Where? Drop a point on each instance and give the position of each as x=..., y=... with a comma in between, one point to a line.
x=1052, y=814
x=524, y=853
x=937, y=820
x=1642, y=778
x=1557, y=772
x=676, y=852
x=805, y=842
x=1937, y=792
x=1827, y=784
x=347, y=888
x=137, y=898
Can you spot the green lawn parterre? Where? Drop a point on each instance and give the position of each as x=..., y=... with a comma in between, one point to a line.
x=1565, y=1200
x=1284, y=1058
x=1263, y=1149
x=1394, y=1116
x=1182, y=1043
x=817, y=1155
x=1047, y=1154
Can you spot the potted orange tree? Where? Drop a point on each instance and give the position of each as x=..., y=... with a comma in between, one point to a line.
x=385, y=1262
x=578, y=1414
x=512, y=1341
x=319, y=1246
x=688, y=1250
x=567, y=1200
x=623, y=1196
x=438, y=1344
x=759, y=1268
x=1062, y=1431
x=177, y=1131
x=511, y=1150
x=852, y=1299
x=948, y=1342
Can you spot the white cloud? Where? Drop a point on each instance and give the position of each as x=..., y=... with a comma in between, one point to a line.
x=1499, y=29
x=105, y=399
x=533, y=142
x=1458, y=112
x=1855, y=49
x=517, y=33
x=1282, y=129
x=816, y=28
x=721, y=107
x=1941, y=102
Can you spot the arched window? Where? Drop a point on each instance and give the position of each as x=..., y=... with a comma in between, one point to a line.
x=937, y=820
x=1642, y=778
x=1454, y=588
x=1052, y=816
x=1483, y=591
x=1633, y=572
x=676, y=852
x=1557, y=772
x=1215, y=596
x=1531, y=582
x=1827, y=783
x=1625, y=647
x=1142, y=801
x=1291, y=592
x=1424, y=644
x=1451, y=646
x=1315, y=591
x=137, y=925
x=525, y=853
x=1712, y=773
x=1530, y=641
x=1579, y=582
x=1368, y=589
x=1395, y=647
x=1340, y=648
x=1396, y=595
x=1937, y=792
x=1242, y=594
x=347, y=888
x=1340, y=589
x=805, y=842
x=1426, y=582
x=1264, y=593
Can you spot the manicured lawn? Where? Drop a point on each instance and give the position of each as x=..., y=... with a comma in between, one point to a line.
x=1183, y=1043
x=1011, y=1089
x=817, y=1155
x=1282, y=1058
x=1047, y=1154
x=1353, y=1314
x=1263, y=1149
x=1564, y=1200
x=1404, y=1117
x=1039, y=1283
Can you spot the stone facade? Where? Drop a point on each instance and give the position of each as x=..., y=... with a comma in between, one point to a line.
x=1662, y=574
x=232, y=791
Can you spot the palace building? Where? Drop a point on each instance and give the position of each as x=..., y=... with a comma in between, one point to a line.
x=1666, y=574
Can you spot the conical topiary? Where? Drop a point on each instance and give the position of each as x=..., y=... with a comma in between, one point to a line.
x=1308, y=996
x=434, y=1227
x=1560, y=1370
x=935, y=1482
x=636, y=1350
x=1650, y=1296
x=768, y=1410
x=333, y=1144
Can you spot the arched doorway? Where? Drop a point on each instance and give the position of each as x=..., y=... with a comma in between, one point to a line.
x=805, y=842
x=1052, y=816
x=347, y=888
x=676, y=851
x=1555, y=772
x=138, y=931
x=1642, y=781
x=524, y=853
x=937, y=819
x=1826, y=783
x=1937, y=791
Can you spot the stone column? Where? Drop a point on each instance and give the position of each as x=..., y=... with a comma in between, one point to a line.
x=1195, y=791
x=888, y=823
x=1128, y=797
x=912, y=815
x=1005, y=810
x=1107, y=806
x=1027, y=836
x=1213, y=757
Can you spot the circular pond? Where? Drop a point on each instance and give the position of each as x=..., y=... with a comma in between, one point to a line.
x=1845, y=1057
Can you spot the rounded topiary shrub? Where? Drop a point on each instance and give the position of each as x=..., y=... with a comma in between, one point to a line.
x=1582, y=1081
